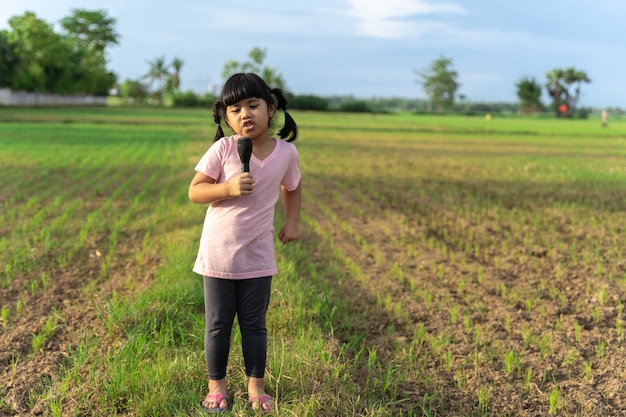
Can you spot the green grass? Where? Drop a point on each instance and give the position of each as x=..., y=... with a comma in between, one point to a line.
x=415, y=229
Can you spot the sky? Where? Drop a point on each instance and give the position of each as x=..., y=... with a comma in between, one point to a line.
x=367, y=48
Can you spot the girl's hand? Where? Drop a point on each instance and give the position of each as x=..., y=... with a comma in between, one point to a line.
x=242, y=185
x=205, y=190
x=289, y=232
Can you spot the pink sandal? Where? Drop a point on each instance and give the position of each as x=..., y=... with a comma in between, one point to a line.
x=217, y=398
x=261, y=400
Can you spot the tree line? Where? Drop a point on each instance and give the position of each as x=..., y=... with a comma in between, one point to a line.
x=33, y=57
x=440, y=82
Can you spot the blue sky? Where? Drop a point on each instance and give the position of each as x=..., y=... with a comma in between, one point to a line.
x=368, y=48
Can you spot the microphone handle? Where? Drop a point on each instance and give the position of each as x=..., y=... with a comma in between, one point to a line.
x=245, y=167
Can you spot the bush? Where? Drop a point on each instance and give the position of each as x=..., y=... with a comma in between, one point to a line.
x=307, y=102
x=132, y=89
x=583, y=113
x=189, y=99
x=355, y=106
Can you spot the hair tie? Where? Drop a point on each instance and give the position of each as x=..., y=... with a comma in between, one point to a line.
x=285, y=111
x=217, y=124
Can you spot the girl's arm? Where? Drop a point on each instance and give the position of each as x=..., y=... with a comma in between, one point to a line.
x=293, y=201
x=205, y=190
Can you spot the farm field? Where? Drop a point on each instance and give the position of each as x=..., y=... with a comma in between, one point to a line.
x=448, y=266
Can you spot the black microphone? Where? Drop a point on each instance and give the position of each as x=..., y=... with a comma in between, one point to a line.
x=244, y=148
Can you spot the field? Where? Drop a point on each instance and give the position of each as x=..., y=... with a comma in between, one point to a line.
x=448, y=266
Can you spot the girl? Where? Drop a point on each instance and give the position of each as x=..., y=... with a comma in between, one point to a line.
x=236, y=254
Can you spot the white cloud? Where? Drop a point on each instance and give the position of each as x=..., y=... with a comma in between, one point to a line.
x=394, y=9
x=391, y=18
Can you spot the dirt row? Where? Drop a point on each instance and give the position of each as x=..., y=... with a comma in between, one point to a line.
x=529, y=302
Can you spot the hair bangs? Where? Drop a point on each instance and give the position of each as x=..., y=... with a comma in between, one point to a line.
x=243, y=86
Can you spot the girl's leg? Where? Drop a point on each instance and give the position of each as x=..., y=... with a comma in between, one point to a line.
x=220, y=306
x=254, y=296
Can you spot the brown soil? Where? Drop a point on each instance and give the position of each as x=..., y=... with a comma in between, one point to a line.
x=548, y=304
x=76, y=303
x=521, y=290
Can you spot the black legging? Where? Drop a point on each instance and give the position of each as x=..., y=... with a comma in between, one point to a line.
x=248, y=299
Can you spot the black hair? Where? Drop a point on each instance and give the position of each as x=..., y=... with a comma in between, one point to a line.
x=246, y=85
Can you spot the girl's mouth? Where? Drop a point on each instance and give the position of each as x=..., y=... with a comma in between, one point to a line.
x=248, y=125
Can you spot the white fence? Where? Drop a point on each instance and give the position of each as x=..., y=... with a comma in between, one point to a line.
x=9, y=97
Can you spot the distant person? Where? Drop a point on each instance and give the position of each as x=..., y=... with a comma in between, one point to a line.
x=605, y=116
x=236, y=253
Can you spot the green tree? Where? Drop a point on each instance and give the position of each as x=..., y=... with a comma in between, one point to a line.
x=132, y=90
x=90, y=74
x=439, y=81
x=559, y=84
x=92, y=29
x=89, y=33
x=45, y=56
x=529, y=93
x=176, y=65
x=9, y=60
x=257, y=55
x=66, y=63
x=158, y=72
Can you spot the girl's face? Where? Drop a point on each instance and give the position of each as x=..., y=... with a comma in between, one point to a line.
x=250, y=117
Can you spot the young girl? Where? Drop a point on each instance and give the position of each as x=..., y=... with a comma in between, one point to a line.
x=236, y=254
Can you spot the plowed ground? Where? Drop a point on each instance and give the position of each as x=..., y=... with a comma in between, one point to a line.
x=485, y=267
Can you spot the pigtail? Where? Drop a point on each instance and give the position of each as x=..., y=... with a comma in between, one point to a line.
x=218, y=111
x=289, y=132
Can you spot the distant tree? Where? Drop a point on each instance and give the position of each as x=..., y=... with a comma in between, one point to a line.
x=132, y=89
x=529, y=93
x=307, y=102
x=558, y=84
x=9, y=60
x=89, y=33
x=92, y=29
x=257, y=55
x=440, y=83
x=158, y=73
x=355, y=106
x=176, y=65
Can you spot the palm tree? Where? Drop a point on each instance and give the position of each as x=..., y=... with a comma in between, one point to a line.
x=176, y=65
x=558, y=83
x=158, y=72
x=575, y=77
x=555, y=88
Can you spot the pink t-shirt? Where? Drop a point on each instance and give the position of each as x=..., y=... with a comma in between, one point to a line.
x=237, y=239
